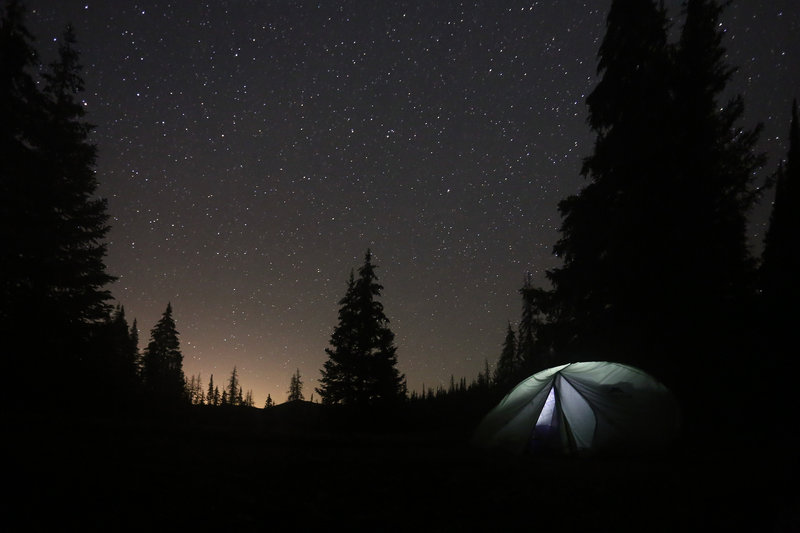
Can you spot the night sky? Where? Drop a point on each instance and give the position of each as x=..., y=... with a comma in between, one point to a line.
x=251, y=151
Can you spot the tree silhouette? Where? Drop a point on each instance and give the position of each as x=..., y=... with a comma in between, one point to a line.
x=361, y=366
x=296, y=388
x=713, y=189
x=210, y=394
x=339, y=373
x=781, y=258
x=781, y=255
x=162, y=363
x=508, y=365
x=194, y=390
x=611, y=229
x=527, y=324
x=233, y=390
x=52, y=224
x=656, y=270
x=116, y=350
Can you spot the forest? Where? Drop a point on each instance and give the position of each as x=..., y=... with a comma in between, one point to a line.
x=655, y=272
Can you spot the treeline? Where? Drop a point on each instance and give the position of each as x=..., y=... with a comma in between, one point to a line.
x=232, y=394
x=155, y=377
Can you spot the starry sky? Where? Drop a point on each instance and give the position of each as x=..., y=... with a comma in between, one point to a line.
x=251, y=151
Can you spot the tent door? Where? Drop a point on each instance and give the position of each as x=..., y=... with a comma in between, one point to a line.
x=545, y=436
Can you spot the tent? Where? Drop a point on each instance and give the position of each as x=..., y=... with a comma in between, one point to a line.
x=583, y=407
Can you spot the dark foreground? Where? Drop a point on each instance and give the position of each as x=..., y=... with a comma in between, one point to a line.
x=134, y=476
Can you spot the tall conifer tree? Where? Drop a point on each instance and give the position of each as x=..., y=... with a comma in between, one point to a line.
x=52, y=224
x=337, y=384
x=234, y=390
x=117, y=353
x=612, y=230
x=162, y=363
x=210, y=393
x=714, y=169
x=362, y=364
x=508, y=365
x=656, y=267
x=527, y=324
x=296, y=388
x=780, y=268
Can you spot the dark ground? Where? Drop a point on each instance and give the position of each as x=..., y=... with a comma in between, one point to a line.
x=256, y=474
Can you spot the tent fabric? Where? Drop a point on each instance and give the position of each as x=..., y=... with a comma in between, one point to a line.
x=583, y=407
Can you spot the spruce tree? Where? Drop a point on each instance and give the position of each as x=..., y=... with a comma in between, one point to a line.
x=533, y=337
x=117, y=360
x=362, y=364
x=210, y=392
x=780, y=265
x=162, y=363
x=194, y=390
x=70, y=160
x=234, y=391
x=714, y=169
x=337, y=384
x=296, y=388
x=508, y=365
x=656, y=270
x=52, y=224
x=612, y=230
x=527, y=324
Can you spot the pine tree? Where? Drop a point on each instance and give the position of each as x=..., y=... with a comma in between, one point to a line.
x=162, y=363
x=656, y=268
x=233, y=390
x=296, y=388
x=508, y=365
x=485, y=377
x=532, y=335
x=337, y=384
x=194, y=390
x=133, y=339
x=52, y=225
x=714, y=171
x=210, y=394
x=781, y=256
x=269, y=403
x=613, y=228
x=118, y=355
x=527, y=324
x=70, y=159
x=361, y=368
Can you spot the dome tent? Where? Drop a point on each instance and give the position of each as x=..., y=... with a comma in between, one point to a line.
x=583, y=407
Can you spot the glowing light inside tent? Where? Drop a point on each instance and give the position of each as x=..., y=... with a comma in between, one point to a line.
x=546, y=416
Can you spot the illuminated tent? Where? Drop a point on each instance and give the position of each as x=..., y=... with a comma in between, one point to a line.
x=583, y=407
